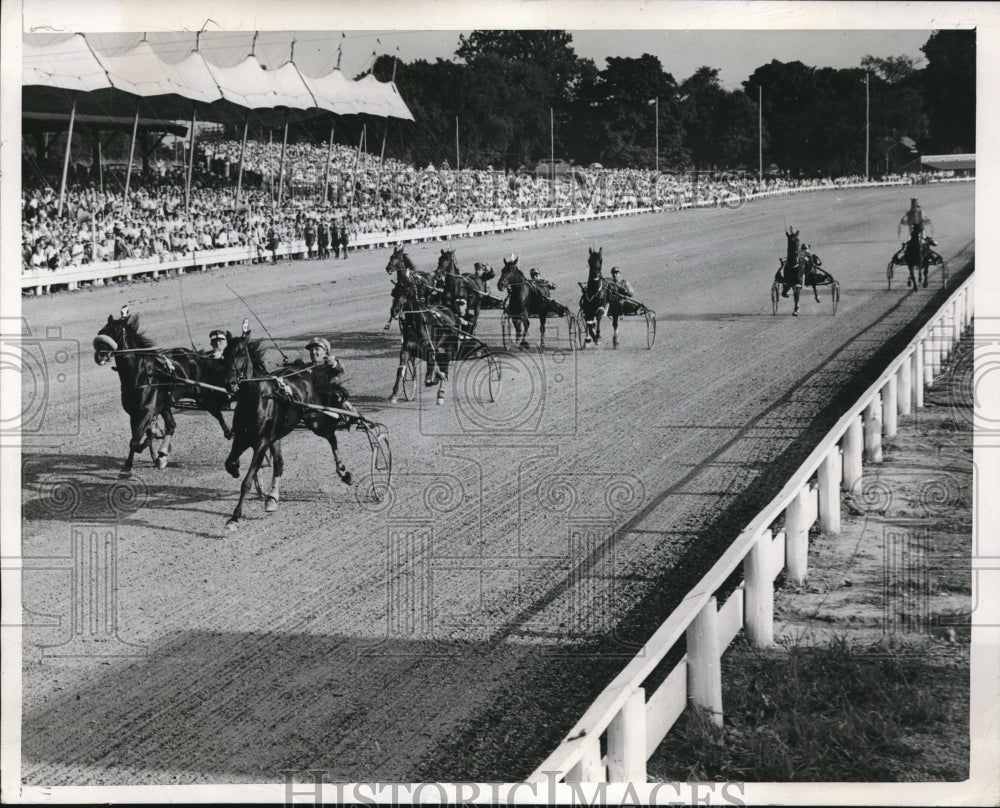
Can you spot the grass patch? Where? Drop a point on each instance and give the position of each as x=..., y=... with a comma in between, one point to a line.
x=838, y=712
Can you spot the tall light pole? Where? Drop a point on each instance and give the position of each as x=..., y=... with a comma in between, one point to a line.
x=867, y=105
x=760, y=135
x=657, y=134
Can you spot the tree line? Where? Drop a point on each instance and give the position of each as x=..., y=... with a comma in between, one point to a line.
x=507, y=95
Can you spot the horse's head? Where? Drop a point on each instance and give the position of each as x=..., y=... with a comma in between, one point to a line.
x=118, y=334
x=243, y=358
x=509, y=272
x=595, y=261
x=397, y=261
x=447, y=263
x=793, y=242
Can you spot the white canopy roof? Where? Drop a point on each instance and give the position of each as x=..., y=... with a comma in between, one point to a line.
x=51, y=72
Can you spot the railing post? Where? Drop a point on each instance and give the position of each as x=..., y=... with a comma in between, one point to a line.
x=853, y=445
x=758, y=593
x=627, y=741
x=956, y=323
x=873, y=431
x=829, y=492
x=589, y=769
x=918, y=375
x=797, y=537
x=904, y=395
x=704, y=668
x=932, y=360
x=889, y=406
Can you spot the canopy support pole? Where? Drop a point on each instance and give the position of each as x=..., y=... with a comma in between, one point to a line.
x=326, y=176
x=381, y=158
x=69, y=142
x=190, y=171
x=239, y=171
x=281, y=164
x=357, y=161
x=131, y=157
x=100, y=163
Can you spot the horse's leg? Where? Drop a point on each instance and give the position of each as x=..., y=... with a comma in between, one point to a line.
x=597, y=326
x=523, y=339
x=440, y=393
x=226, y=431
x=345, y=476
x=614, y=334
x=815, y=292
x=277, y=469
x=169, y=425
x=404, y=358
x=239, y=446
x=796, y=291
x=541, y=330
x=256, y=460
x=139, y=440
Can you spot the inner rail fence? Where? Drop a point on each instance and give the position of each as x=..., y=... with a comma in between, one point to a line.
x=42, y=281
x=616, y=736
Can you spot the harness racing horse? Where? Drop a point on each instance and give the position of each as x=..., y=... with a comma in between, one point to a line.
x=471, y=288
x=792, y=269
x=408, y=280
x=596, y=296
x=525, y=299
x=152, y=381
x=269, y=405
x=915, y=254
x=429, y=333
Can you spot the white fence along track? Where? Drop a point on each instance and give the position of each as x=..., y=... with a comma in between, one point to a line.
x=631, y=722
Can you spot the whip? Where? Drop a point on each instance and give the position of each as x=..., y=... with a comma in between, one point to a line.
x=283, y=356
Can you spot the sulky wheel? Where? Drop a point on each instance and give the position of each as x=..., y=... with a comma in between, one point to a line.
x=507, y=330
x=264, y=477
x=835, y=295
x=650, y=328
x=409, y=377
x=775, y=296
x=378, y=436
x=495, y=379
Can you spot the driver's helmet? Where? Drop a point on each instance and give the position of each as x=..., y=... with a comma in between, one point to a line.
x=534, y=273
x=319, y=342
x=218, y=335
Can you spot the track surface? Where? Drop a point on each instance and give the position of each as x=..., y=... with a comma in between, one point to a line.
x=458, y=630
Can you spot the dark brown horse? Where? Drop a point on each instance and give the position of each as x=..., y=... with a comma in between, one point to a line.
x=525, y=299
x=153, y=381
x=269, y=405
x=409, y=280
x=429, y=333
x=595, y=297
x=472, y=288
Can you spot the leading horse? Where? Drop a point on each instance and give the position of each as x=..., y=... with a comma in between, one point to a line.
x=153, y=381
x=792, y=269
x=915, y=254
x=269, y=405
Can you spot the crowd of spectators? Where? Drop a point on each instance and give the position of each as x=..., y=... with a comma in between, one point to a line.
x=362, y=195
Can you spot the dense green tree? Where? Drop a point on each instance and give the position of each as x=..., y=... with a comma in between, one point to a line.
x=950, y=91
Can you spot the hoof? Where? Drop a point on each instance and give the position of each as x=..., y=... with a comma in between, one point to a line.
x=440, y=400
x=795, y=313
x=233, y=469
x=231, y=525
x=785, y=293
x=124, y=474
x=385, y=327
x=346, y=478
x=393, y=399
x=161, y=461
x=270, y=504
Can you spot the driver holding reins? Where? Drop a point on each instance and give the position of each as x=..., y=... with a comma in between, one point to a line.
x=913, y=219
x=325, y=369
x=219, y=341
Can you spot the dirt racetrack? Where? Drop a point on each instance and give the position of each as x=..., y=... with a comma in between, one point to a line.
x=457, y=630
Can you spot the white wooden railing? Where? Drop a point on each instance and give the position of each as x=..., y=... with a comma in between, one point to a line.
x=41, y=280
x=631, y=722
